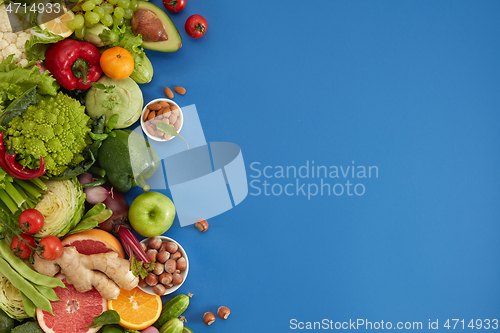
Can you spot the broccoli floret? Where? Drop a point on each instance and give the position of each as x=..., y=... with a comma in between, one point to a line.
x=28, y=327
x=56, y=128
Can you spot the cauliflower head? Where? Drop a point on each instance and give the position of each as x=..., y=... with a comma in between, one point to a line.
x=56, y=128
x=13, y=37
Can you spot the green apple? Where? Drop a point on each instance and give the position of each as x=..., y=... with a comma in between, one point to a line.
x=151, y=214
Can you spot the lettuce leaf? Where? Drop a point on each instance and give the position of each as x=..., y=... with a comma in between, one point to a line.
x=39, y=43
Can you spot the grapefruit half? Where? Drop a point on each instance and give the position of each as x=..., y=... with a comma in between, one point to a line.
x=74, y=312
x=94, y=241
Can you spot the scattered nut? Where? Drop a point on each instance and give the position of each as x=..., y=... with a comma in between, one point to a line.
x=159, y=289
x=201, y=225
x=155, y=243
x=223, y=312
x=170, y=266
x=208, y=318
x=171, y=247
x=180, y=90
x=176, y=256
x=169, y=93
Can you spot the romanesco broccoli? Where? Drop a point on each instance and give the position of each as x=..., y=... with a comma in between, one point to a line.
x=56, y=128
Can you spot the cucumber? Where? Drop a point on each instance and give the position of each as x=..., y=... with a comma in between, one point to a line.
x=186, y=330
x=174, y=325
x=173, y=308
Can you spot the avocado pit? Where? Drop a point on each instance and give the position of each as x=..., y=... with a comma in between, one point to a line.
x=147, y=23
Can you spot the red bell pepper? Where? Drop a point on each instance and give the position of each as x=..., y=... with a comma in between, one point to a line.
x=74, y=64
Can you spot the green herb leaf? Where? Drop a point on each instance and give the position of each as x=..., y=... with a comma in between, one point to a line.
x=109, y=104
x=139, y=268
x=169, y=129
x=108, y=317
x=101, y=86
x=19, y=105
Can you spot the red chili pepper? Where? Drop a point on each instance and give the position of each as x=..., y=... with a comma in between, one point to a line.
x=15, y=169
x=74, y=64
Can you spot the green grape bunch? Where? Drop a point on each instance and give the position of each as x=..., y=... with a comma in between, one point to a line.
x=108, y=12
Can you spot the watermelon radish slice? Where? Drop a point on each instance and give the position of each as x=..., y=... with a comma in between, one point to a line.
x=74, y=312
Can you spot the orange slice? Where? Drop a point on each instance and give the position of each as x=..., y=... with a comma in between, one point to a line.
x=136, y=308
x=57, y=23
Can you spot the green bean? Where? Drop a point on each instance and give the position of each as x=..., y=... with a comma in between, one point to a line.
x=96, y=171
x=25, y=270
x=28, y=305
x=48, y=292
x=24, y=286
x=96, y=137
x=112, y=121
x=95, y=183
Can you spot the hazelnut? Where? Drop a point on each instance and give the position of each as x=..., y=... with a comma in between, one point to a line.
x=171, y=247
x=159, y=289
x=159, y=268
x=170, y=266
x=151, y=253
x=142, y=283
x=144, y=247
x=176, y=255
x=155, y=243
x=223, y=312
x=165, y=278
x=168, y=286
x=151, y=279
x=177, y=279
x=201, y=225
x=208, y=318
x=181, y=263
x=163, y=256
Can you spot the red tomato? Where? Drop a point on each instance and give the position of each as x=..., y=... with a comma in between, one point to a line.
x=20, y=248
x=31, y=221
x=52, y=247
x=174, y=5
x=196, y=26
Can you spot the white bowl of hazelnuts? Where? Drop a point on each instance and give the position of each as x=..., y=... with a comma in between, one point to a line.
x=171, y=266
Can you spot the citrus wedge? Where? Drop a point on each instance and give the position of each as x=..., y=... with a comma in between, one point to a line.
x=57, y=23
x=136, y=308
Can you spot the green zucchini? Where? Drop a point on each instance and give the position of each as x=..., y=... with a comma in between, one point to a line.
x=173, y=308
x=186, y=330
x=174, y=325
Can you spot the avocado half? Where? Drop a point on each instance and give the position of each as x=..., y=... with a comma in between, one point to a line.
x=173, y=40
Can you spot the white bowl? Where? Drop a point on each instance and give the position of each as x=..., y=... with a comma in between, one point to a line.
x=184, y=273
x=143, y=124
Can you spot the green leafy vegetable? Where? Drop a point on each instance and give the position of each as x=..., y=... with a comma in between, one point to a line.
x=19, y=105
x=108, y=317
x=39, y=43
x=140, y=268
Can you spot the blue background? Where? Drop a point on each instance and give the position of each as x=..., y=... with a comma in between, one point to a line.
x=411, y=87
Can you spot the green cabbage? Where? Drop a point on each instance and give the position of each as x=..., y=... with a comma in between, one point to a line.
x=62, y=207
x=10, y=300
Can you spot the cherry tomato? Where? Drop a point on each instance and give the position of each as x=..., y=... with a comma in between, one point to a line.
x=20, y=248
x=52, y=247
x=196, y=26
x=174, y=5
x=31, y=221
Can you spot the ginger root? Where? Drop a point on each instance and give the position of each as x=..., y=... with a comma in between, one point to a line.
x=105, y=272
